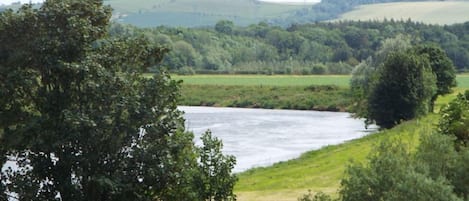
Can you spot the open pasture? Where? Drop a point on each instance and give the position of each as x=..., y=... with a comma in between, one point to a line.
x=281, y=80
x=265, y=80
x=431, y=12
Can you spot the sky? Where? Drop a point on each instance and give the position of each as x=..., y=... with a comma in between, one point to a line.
x=6, y=2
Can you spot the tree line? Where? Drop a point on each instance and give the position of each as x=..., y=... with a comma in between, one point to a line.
x=319, y=48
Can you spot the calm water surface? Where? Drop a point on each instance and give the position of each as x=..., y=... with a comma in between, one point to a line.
x=260, y=137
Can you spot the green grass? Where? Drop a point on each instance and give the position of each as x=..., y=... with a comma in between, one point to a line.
x=330, y=98
x=265, y=80
x=323, y=169
x=281, y=80
x=432, y=12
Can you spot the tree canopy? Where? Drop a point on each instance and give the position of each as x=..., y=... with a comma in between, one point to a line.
x=79, y=122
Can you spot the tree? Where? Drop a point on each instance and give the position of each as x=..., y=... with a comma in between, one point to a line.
x=403, y=91
x=79, y=120
x=224, y=26
x=215, y=181
x=443, y=68
x=455, y=119
x=394, y=173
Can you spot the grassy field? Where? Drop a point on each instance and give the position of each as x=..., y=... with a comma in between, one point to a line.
x=197, y=13
x=324, y=98
x=432, y=12
x=265, y=80
x=281, y=80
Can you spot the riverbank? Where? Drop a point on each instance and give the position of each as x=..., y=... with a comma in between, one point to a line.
x=314, y=97
x=323, y=169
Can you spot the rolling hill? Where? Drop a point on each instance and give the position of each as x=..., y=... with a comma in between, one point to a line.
x=430, y=12
x=190, y=13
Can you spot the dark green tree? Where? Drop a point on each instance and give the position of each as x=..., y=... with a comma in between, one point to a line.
x=403, y=91
x=443, y=68
x=77, y=117
x=224, y=26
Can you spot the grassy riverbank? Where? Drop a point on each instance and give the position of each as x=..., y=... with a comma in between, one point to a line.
x=319, y=170
x=328, y=93
x=322, y=170
x=313, y=92
x=322, y=98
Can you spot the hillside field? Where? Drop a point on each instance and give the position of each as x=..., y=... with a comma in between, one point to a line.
x=146, y=13
x=433, y=12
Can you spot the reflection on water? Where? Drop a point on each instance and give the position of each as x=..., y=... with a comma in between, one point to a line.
x=260, y=137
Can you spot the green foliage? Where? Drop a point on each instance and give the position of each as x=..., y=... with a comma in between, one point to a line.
x=394, y=173
x=215, y=180
x=403, y=89
x=443, y=68
x=455, y=119
x=224, y=26
x=320, y=196
x=320, y=48
x=79, y=119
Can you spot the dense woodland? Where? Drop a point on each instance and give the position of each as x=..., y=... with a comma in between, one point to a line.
x=319, y=48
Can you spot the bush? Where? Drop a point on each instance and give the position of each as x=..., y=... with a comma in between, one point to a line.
x=455, y=119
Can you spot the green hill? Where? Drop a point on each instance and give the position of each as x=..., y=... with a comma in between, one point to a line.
x=190, y=13
x=433, y=12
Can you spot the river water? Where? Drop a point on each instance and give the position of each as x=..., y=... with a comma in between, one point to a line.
x=261, y=137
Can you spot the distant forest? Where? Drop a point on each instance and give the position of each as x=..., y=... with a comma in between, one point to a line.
x=318, y=48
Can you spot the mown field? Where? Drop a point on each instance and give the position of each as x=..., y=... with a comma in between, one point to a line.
x=432, y=12
x=280, y=80
x=265, y=80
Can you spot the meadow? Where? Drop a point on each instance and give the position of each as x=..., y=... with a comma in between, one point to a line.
x=431, y=12
x=265, y=80
x=280, y=80
x=146, y=13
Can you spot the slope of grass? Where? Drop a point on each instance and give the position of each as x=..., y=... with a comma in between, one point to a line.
x=192, y=13
x=322, y=170
x=432, y=12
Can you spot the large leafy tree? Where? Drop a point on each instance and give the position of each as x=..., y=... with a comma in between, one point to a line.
x=443, y=68
x=403, y=91
x=77, y=119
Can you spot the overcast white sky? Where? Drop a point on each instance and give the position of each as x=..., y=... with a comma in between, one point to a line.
x=6, y=2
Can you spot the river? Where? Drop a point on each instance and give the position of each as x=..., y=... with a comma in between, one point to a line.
x=261, y=137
